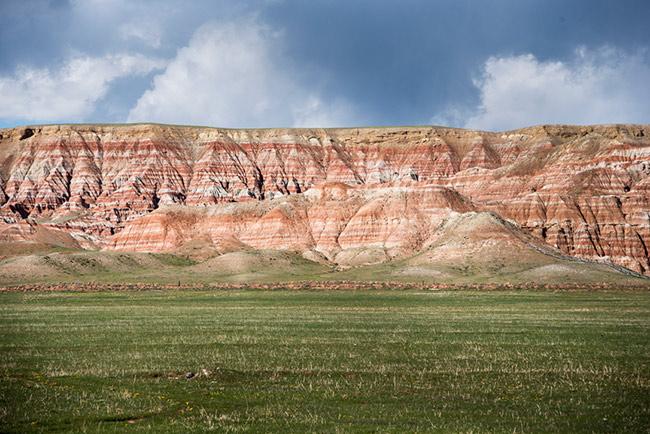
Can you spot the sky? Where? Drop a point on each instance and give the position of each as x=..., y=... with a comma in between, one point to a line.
x=484, y=64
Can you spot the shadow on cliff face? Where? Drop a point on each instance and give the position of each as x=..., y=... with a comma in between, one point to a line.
x=20, y=209
x=27, y=133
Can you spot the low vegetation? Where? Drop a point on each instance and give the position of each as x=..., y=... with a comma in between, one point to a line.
x=390, y=361
x=251, y=267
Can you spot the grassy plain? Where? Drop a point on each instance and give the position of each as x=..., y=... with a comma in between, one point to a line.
x=336, y=361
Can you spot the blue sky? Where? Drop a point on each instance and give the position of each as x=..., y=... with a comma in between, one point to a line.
x=486, y=64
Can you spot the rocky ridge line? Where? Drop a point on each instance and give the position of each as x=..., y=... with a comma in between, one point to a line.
x=584, y=190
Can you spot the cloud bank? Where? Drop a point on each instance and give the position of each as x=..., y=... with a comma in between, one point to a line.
x=236, y=75
x=70, y=91
x=601, y=86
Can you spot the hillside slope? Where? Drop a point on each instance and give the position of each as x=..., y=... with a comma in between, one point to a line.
x=339, y=197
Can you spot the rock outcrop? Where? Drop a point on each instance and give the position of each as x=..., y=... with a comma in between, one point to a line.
x=348, y=196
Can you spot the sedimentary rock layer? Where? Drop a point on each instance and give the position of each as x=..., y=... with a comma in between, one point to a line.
x=335, y=192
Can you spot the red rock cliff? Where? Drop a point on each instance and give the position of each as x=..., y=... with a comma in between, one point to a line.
x=585, y=190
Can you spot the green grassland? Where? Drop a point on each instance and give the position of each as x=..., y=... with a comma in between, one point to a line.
x=335, y=361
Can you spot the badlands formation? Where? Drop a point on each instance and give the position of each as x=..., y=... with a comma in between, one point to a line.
x=420, y=201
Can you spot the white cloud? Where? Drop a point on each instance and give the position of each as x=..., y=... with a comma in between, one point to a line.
x=453, y=116
x=148, y=33
x=236, y=75
x=69, y=92
x=601, y=86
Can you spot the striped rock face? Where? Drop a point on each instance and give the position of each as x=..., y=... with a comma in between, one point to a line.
x=583, y=190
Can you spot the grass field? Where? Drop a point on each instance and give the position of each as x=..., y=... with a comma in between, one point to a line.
x=388, y=361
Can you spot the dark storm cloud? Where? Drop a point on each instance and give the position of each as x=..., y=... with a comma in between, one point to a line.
x=370, y=62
